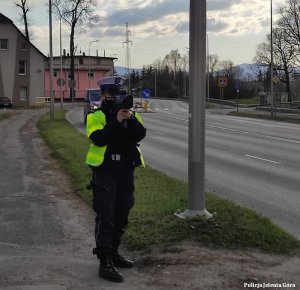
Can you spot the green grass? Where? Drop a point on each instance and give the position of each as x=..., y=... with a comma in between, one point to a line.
x=158, y=196
x=265, y=116
x=252, y=101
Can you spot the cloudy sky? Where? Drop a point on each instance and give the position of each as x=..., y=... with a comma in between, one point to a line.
x=234, y=27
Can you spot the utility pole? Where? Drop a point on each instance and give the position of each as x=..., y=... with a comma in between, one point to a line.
x=128, y=43
x=272, y=62
x=207, y=67
x=196, y=155
x=51, y=63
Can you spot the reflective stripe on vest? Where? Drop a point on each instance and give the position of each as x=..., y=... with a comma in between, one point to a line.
x=97, y=121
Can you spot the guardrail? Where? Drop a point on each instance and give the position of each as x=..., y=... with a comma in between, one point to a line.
x=42, y=101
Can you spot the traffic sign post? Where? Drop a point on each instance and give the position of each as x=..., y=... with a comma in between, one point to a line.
x=222, y=82
x=237, y=86
x=146, y=94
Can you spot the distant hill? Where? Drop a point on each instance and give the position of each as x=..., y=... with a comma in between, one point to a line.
x=249, y=71
x=121, y=70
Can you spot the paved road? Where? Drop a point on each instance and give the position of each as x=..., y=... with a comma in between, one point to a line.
x=254, y=162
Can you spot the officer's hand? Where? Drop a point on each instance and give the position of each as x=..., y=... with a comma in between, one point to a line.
x=123, y=114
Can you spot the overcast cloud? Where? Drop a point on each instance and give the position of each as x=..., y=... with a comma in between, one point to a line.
x=157, y=26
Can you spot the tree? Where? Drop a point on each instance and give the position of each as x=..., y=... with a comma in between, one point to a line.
x=22, y=4
x=74, y=13
x=284, y=56
x=290, y=22
x=175, y=62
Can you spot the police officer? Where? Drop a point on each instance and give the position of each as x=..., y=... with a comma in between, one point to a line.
x=114, y=131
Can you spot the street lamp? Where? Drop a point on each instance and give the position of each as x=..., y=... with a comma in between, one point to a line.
x=207, y=68
x=89, y=76
x=272, y=62
x=51, y=63
x=60, y=52
x=197, y=88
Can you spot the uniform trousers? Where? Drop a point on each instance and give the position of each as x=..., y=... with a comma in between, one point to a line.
x=113, y=197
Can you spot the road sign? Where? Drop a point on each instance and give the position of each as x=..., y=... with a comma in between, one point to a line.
x=276, y=79
x=72, y=83
x=222, y=82
x=146, y=93
x=237, y=86
x=60, y=82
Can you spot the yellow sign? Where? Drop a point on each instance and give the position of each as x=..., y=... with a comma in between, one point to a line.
x=276, y=79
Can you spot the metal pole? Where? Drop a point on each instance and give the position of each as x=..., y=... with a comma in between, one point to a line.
x=155, y=93
x=89, y=76
x=51, y=63
x=207, y=58
x=272, y=62
x=60, y=48
x=196, y=158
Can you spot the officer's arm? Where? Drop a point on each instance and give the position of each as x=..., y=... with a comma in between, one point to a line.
x=136, y=131
x=102, y=135
x=109, y=134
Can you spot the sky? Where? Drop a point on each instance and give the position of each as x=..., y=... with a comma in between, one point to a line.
x=234, y=28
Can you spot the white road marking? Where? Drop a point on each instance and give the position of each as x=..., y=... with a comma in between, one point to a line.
x=254, y=134
x=263, y=159
x=159, y=133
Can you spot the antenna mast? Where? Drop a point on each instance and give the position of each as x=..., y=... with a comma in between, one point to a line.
x=128, y=43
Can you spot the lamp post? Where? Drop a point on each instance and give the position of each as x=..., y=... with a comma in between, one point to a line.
x=197, y=69
x=89, y=76
x=207, y=68
x=51, y=63
x=60, y=52
x=272, y=62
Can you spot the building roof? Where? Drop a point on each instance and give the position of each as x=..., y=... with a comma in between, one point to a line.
x=4, y=19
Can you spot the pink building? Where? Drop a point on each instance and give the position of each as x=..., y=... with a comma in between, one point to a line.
x=87, y=71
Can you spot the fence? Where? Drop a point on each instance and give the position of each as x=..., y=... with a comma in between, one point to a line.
x=42, y=101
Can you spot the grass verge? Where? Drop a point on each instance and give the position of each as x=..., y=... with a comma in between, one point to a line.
x=252, y=101
x=158, y=196
x=265, y=116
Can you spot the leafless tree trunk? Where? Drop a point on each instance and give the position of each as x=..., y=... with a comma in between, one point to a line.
x=23, y=15
x=74, y=13
x=284, y=56
x=290, y=22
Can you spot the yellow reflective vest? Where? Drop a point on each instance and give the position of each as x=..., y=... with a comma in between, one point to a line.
x=95, y=155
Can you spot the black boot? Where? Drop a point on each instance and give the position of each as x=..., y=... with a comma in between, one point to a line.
x=108, y=271
x=120, y=261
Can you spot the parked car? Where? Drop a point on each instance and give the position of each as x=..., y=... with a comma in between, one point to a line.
x=92, y=99
x=5, y=102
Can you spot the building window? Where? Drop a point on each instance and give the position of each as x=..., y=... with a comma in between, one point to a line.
x=23, y=93
x=24, y=46
x=22, y=67
x=3, y=43
x=55, y=73
x=90, y=75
